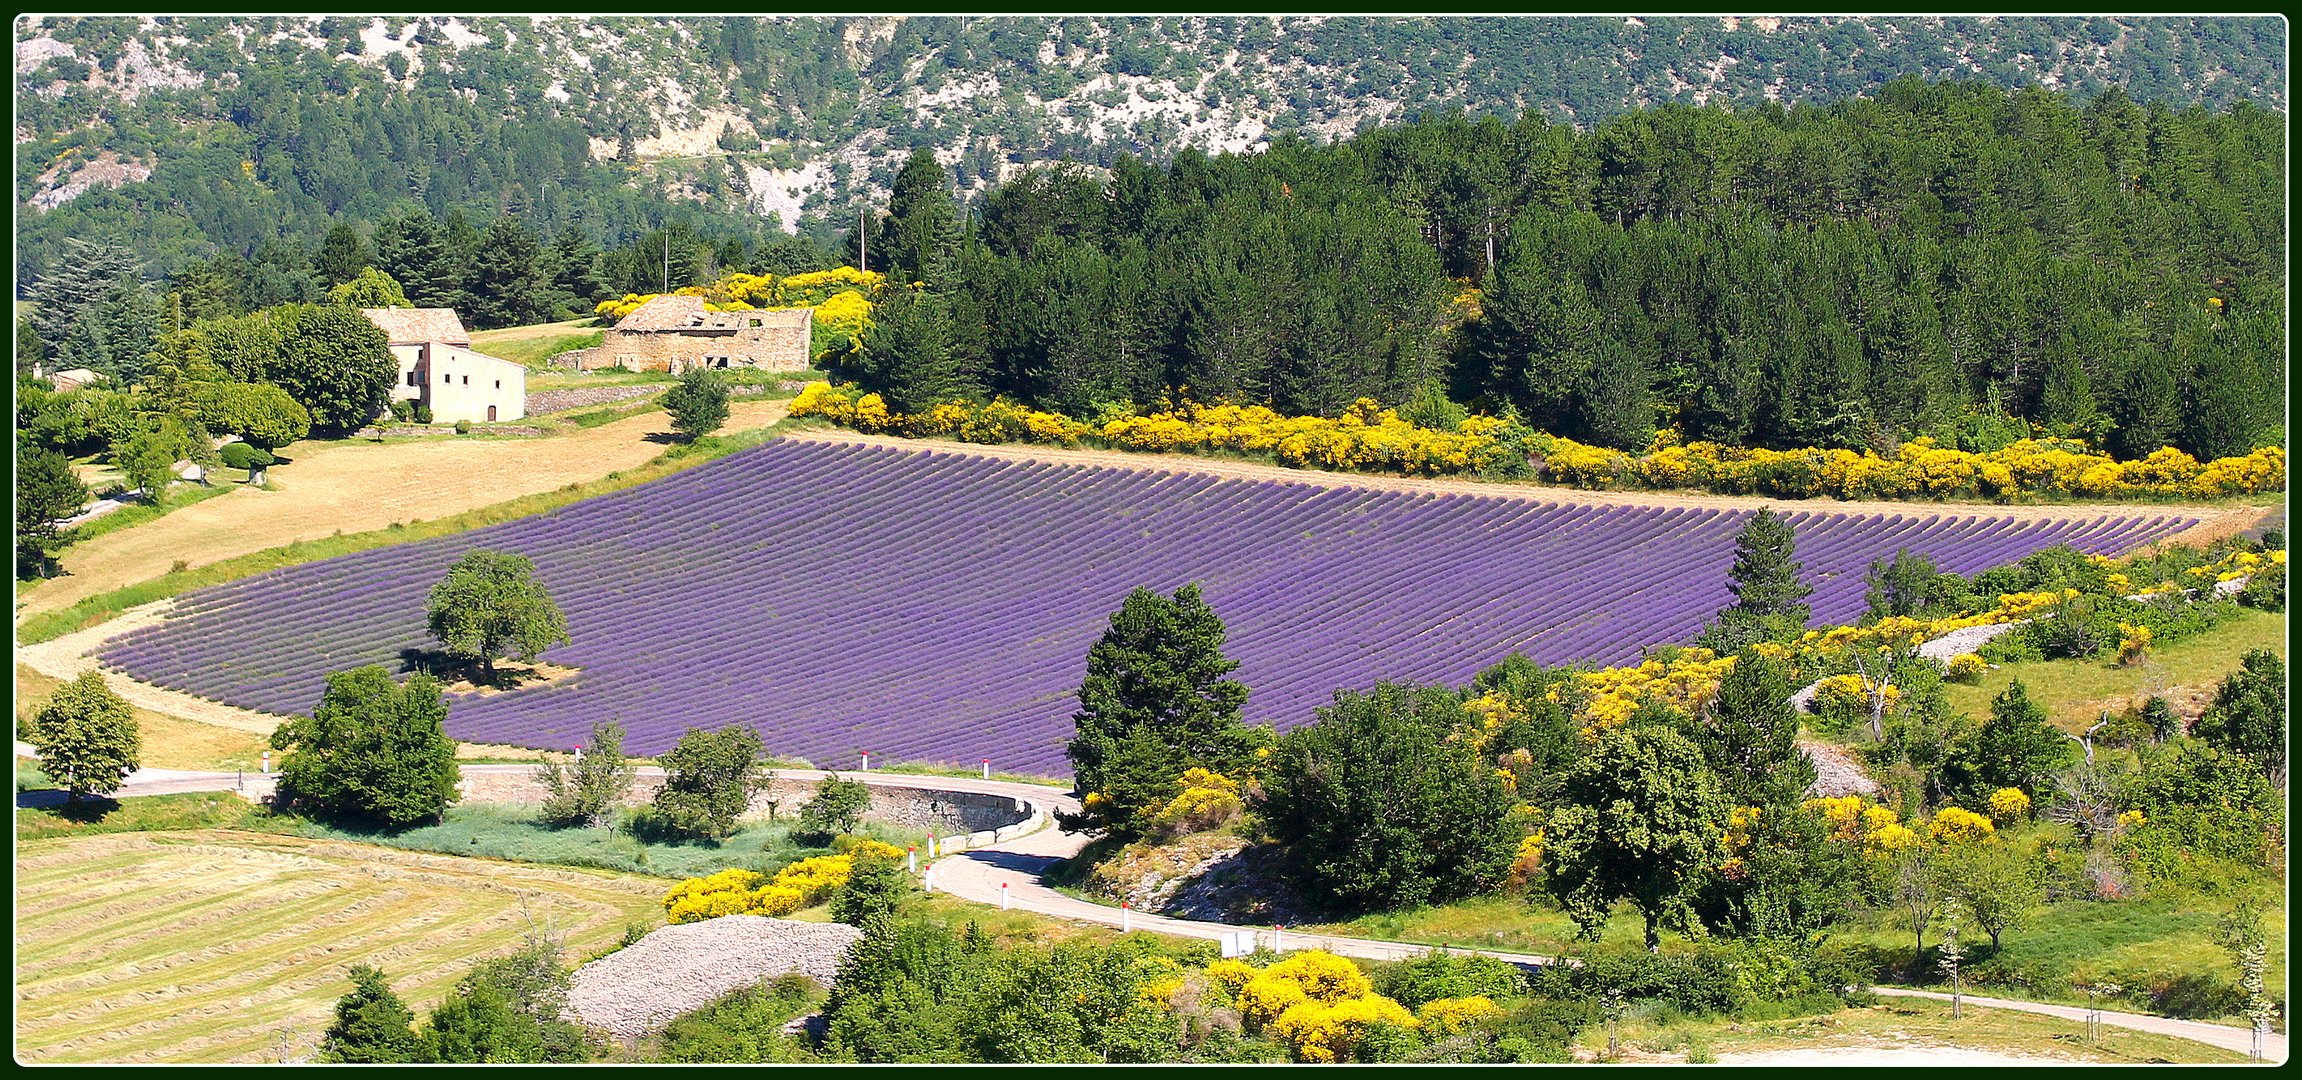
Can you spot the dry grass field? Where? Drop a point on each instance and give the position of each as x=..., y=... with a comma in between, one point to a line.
x=169, y=742
x=232, y=946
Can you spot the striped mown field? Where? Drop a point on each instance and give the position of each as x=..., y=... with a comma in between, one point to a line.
x=232, y=946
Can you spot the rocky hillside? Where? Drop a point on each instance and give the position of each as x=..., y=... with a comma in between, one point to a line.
x=800, y=116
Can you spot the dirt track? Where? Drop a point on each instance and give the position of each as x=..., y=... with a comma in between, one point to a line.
x=2214, y=521
x=356, y=487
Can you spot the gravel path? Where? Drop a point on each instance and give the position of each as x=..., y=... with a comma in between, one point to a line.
x=2222, y=1035
x=679, y=969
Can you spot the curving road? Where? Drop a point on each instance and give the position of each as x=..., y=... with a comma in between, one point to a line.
x=1017, y=865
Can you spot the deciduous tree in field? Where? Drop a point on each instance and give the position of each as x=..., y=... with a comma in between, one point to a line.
x=334, y=362
x=1993, y=882
x=1640, y=820
x=1383, y=802
x=372, y=1025
x=47, y=491
x=712, y=776
x=87, y=737
x=698, y=405
x=372, y=750
x=2016, y=747
x=837, y=806
x=261, y=414
x=2248, y=714
x=1155, y=703
x=491, y=607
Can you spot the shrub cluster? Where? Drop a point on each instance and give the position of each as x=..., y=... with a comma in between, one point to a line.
x=738, y=891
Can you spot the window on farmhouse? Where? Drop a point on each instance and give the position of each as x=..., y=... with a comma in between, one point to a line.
x=411, y=378
x=467, y=380
x=499, y=384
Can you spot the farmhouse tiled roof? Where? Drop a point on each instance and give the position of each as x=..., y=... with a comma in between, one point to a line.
x=415, y=326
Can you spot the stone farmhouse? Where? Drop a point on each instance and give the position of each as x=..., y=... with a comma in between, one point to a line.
x=676, y=333
x=439, y=369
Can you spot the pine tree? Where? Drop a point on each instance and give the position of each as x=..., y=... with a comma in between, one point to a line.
x=372, y=1025
x=1749, y=733
x=509, y=285
x=343, y=253
x=80, y=279
x=1766, y=576
x=1155, y=703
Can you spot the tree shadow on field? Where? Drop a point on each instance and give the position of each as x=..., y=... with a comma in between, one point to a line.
x=87, y=811
x=463, y=676
x=666, y=438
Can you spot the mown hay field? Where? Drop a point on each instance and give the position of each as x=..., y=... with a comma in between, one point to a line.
x=229, y=946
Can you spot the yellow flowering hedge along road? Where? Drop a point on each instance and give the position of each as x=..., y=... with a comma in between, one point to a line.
x=1371, y=438
x=745, y=892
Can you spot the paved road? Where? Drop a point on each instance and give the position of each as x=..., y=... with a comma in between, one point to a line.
x=1018, y=864
x=2229, y=1038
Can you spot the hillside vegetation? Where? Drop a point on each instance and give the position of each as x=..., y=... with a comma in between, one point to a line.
x=185, y=132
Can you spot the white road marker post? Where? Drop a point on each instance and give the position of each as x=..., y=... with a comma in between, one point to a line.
x=1002, y=896
x=987, y=768
x=1277, y=930
x=911, y=858
x=866, y=761
x=267, y=763
x=1123, y=914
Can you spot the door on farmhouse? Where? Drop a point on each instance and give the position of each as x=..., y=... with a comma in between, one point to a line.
x=491, y=414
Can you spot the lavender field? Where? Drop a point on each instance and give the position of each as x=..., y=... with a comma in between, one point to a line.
x=938, y=606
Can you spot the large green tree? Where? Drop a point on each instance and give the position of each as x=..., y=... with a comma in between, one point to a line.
x=372, y=750
x=587, y=791
x=2248, y=713
x=490, y=607
x=87, y=737
x=1156, y=702
x=1383, y=803
x=47, y=491
x=2016, y=747
x=372, y=1025
x=1639, y=819
x=334, y=362
x=709, y=779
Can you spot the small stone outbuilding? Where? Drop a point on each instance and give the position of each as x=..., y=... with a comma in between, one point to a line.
x=677, y=333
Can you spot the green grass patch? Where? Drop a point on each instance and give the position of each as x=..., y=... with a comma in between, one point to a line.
x=137, y=513
x=97, y=609
x=530, y=351
x=143, y=813
x=2074, y=692
x=512, y=834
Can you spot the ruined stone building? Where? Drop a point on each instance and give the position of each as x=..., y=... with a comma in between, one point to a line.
x=675, y=333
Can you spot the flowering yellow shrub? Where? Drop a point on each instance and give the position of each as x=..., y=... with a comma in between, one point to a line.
x=1954, y=824
x=1853, y=821
x=2133, y=643
x=1966, y=667
x=1528, y=862
x=1370, y=437
x=1314, y=975
x=1322, y=1032
x=2009, y=804
x=1686, y=682
x=2132, y=819
x=741, y=892
x=1231, y=974
x=1446, y=1016
x=1207, y=800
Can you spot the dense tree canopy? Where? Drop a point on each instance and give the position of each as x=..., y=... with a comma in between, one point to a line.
x=372, y=750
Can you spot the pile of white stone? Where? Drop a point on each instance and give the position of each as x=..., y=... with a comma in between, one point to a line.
x=679, y=969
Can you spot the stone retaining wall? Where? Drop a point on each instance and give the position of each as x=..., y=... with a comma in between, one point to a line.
x=939, y=812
